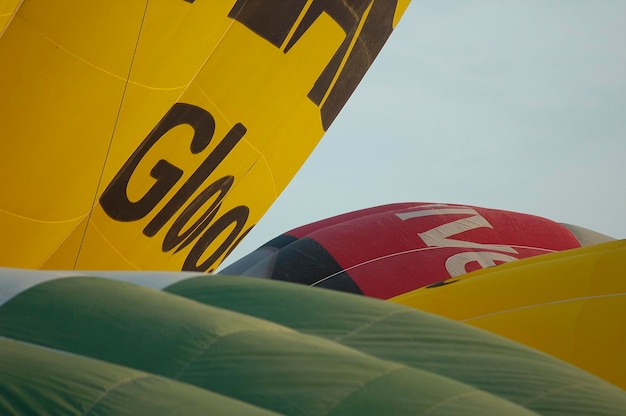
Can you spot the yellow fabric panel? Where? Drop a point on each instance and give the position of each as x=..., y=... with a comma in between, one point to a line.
x=57, y=259
x=601, y=333
x=42, y=165
x=7, y=10
x=555, y=334
x=570, y=304
x=154, y=135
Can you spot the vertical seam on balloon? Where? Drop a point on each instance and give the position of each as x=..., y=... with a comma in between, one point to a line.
x=13, y=14
x=113, y=247
x=261, y=155
x=219, y=337
x=68, y=235
x=206, y=96
x=550, y=392
x=371, y=323
x=117, y=118
x=115, y=387
x=211, y=101
x=454, y=398
x=361, y=386
x=209, y=55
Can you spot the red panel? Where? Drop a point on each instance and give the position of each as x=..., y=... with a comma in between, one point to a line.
x=396, y=248
x=307, y=229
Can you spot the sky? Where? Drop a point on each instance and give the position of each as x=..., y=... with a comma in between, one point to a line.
x=515, y=105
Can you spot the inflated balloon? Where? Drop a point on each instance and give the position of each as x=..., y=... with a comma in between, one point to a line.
x=78, y=343
x=571, y=305
x=392, y=249
x=154, y=135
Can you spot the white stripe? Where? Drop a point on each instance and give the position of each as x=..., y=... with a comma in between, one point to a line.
x=414, y=250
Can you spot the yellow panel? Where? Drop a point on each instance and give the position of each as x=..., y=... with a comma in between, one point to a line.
x=43, y=137
x=554, y=335
x=176, y=39
x=49, y=235
x=65, y=256
x=570, y=304
x=7, y=10
x=600, y=333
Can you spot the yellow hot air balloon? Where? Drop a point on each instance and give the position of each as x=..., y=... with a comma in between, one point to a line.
x=154, y=135
x=570, y=304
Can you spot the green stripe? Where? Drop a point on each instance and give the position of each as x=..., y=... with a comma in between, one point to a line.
x=41, y=381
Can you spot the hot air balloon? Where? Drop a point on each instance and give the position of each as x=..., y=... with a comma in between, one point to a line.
x=103, y=342
x=388, y=250
x=571, y=305
x=153, y=135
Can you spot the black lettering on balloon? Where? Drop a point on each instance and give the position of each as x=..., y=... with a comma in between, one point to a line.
x=366, y=23
x=208, y=225
x=197, y=178
x=114, y=199
x=174, y=237
x=270, y=19
x=237, y=216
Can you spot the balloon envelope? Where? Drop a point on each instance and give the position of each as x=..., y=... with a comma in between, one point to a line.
x=571, y=305
x=392, y=249
x=103, y=342
x=154, y=135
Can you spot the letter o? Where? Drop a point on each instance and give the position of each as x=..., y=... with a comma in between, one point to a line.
x=238, y=216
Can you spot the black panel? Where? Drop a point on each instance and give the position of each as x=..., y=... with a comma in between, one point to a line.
x=341, y=282
x=280, y=241
x=305, y=261
x=270, y=19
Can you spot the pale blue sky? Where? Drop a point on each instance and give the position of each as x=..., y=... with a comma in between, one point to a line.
x=516, y=105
